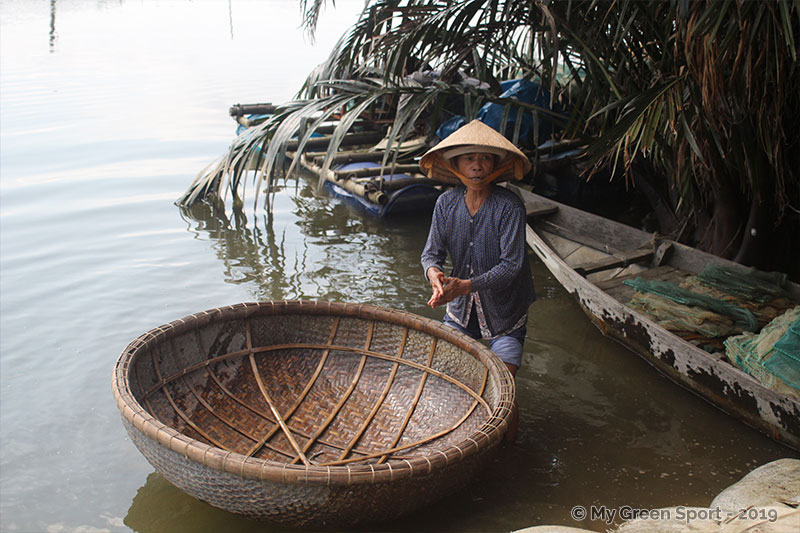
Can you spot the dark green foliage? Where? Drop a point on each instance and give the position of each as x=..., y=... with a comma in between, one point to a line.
x=704, y=94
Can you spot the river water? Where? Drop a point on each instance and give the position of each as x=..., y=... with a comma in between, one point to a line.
x=109, y=108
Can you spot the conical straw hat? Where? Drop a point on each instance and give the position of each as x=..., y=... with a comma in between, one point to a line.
x=474, y=137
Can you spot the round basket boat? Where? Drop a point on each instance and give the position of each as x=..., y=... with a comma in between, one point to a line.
x=313, y=413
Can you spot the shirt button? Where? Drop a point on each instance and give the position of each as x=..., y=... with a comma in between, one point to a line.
x=470, y=243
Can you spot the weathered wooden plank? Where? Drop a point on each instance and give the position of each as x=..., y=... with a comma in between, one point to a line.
x=614, y=261
x=563, y=247
x=537, y=210
x=582, y=254
x=601, y=230
x=568, y=233
x=605, y=275
x=662, y=253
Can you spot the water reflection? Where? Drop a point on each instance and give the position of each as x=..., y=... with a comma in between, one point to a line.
x=249, y=251
x=53, y=34
x=230, y=17
x=178, y=512
x=316, y=247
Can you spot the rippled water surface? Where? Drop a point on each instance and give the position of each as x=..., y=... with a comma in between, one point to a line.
x=108, y=111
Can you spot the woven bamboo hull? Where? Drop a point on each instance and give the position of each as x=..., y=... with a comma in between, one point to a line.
x=312, y=413
x=307, y=505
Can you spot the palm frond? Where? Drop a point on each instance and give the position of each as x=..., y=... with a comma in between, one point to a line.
x=703, y=92
x=263, y=148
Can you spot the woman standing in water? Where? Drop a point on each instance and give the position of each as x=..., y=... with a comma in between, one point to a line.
x=481, y=226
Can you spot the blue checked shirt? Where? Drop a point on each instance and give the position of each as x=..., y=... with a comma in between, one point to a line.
x=487, y=248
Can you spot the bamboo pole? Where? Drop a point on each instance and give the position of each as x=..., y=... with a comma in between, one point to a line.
x=376, y=171
x=359, y=189
x=351, y=139
x=345, y=157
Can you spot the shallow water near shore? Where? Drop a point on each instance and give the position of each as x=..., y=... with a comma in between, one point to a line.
x=108, y=110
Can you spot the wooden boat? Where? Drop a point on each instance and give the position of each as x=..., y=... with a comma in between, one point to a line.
x=592, y=257
x=313, y=413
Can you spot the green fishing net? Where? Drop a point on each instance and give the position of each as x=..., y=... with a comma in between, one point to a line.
x=749, y=284
x=689, y=323
x=785, y=361
x=721, y=308
x=741, y=317
x=708, y=307
x=773, y=355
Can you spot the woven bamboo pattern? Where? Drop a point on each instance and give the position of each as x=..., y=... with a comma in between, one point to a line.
x=313, y=413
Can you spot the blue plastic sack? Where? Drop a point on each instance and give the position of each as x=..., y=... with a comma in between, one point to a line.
x=450, y=126
x=491, y=114
x=526, y=91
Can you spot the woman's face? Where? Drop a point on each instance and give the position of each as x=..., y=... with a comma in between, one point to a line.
x=475, y=167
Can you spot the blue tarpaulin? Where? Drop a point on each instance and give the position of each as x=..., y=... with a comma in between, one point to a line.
x=491, y=114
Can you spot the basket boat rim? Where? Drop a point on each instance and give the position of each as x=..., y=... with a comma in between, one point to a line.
x=488, y=435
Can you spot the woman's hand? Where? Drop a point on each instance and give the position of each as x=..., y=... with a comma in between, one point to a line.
x=446, y=289
x=437, y=280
